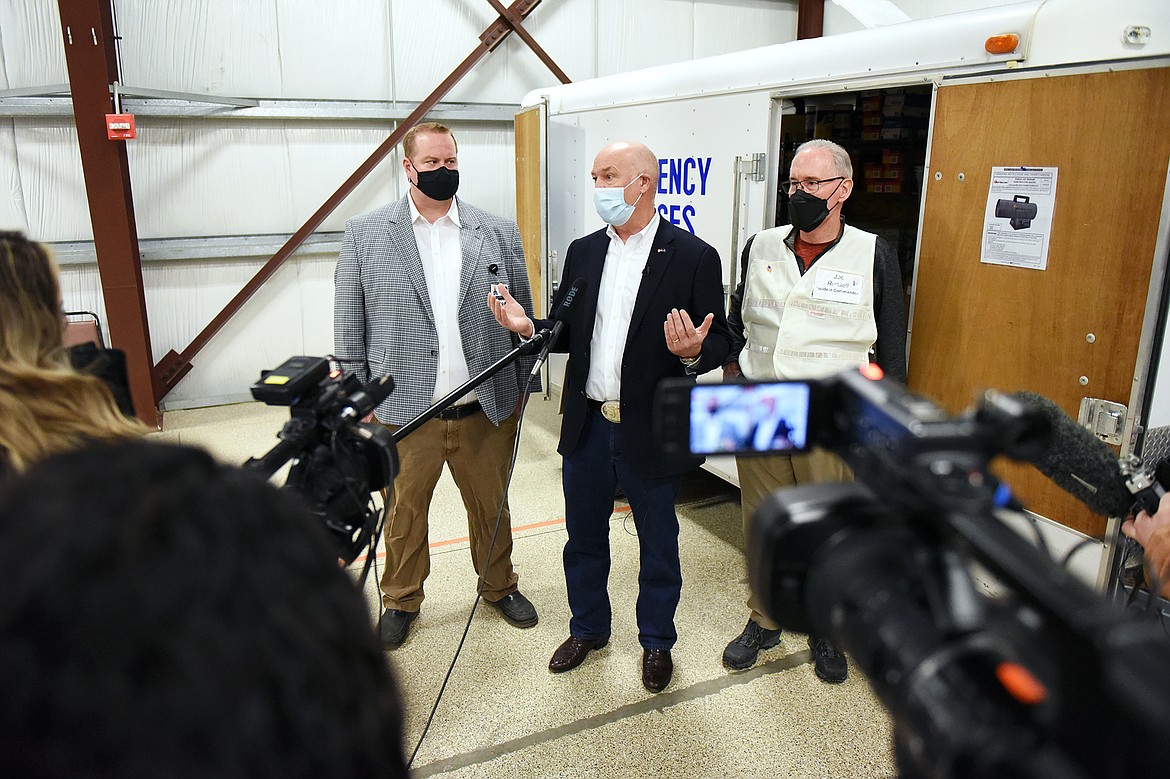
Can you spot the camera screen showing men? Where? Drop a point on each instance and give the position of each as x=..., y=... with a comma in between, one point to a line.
x=407, y=289
x=817, y=296
x=732, y=418
x=641, y=273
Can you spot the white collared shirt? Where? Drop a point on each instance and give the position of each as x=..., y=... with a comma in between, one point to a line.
x=620, y=278
x=442, y=260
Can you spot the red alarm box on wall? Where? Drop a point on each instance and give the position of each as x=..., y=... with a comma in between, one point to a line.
x=120, y=127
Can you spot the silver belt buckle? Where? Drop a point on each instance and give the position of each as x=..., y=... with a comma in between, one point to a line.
x=612, y=410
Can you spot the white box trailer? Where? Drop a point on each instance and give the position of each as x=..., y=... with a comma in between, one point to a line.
x=1083, y=89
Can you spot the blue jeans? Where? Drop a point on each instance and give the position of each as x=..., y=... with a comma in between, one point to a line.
x=590, y=476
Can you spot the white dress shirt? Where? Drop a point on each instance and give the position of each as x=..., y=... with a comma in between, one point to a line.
x=621, y=276
x=442, y=260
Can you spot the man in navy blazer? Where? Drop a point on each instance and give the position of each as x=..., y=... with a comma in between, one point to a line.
x=650, y=308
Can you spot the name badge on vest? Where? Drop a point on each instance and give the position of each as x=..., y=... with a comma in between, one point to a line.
x=837, y=286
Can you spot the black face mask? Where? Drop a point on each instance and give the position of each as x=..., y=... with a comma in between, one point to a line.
x=806, y=212
x=438, y=184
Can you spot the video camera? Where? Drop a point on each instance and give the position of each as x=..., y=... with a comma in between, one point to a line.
x=337, y=460
x=1047, y=679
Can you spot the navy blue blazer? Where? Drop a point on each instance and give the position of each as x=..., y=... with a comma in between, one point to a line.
x=682, y=272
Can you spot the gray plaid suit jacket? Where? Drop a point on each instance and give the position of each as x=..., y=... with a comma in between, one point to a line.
x=382, y=317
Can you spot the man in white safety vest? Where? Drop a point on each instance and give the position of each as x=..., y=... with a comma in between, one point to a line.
x=816, y=297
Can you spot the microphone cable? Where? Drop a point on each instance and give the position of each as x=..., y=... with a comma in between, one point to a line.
x=480, y=584
x=561, y=317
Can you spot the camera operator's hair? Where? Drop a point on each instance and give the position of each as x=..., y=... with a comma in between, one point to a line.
x=432, y=128
x=164, y=615
x=842, y=165
x=45, y=405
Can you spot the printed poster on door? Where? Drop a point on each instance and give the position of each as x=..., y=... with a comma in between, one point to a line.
x=1017, y=222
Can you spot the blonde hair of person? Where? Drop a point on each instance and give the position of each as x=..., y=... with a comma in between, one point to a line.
x=45, y=406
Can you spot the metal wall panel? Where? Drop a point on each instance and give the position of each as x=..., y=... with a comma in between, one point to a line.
x=30, y=44
x=633, y=34
x=428, y=40
x=12, y=212
x=720, y=28
x=335, y=50
x=197, y=178
x=53, y=189
x=204, y=46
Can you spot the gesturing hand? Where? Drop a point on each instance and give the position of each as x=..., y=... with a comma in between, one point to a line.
x=509, y=313
x=683, y=339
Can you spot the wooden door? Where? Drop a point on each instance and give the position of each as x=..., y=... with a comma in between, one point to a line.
x=1073, y=329
x=531, y=195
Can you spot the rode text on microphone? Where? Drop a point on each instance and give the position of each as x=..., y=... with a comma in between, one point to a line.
x=549, y=337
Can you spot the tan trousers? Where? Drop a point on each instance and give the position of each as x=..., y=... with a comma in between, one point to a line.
x=759, y=477
x=478, y=454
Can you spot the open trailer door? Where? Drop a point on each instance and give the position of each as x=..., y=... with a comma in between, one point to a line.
x=1072, y=329
x=532, y=197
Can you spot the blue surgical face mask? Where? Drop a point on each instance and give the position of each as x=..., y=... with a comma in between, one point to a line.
x=611, y=204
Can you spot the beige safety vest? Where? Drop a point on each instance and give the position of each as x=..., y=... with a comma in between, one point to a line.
x=810, y=326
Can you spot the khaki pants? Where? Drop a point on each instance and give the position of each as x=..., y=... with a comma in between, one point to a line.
x=759, y=477
x=478, y=454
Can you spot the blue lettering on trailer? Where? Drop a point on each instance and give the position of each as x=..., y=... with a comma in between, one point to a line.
x=686, y=177
x=683, y=175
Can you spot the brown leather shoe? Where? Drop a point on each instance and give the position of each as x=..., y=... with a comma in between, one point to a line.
x=572, y=653
x=657, y=668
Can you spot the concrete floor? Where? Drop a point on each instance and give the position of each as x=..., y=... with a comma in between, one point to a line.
x=503, y=714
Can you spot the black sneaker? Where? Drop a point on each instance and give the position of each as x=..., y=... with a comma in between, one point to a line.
x=393, y=627
x=517, y=609
x=830, y=664
x=741, y=653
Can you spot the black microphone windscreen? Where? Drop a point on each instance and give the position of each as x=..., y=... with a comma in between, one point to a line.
x=1079, y=462
x=575, y=289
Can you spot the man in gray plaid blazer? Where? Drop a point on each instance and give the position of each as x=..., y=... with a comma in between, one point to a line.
x=409, y=289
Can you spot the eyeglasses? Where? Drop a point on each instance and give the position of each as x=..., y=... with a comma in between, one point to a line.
x=811, y=186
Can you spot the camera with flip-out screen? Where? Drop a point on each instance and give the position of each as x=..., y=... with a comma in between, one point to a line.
x=1047, y=678
x=337, y=460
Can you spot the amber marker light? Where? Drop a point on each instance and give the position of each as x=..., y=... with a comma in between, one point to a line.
x=872, y=371
x=1002, y=44
x=1020, y=683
